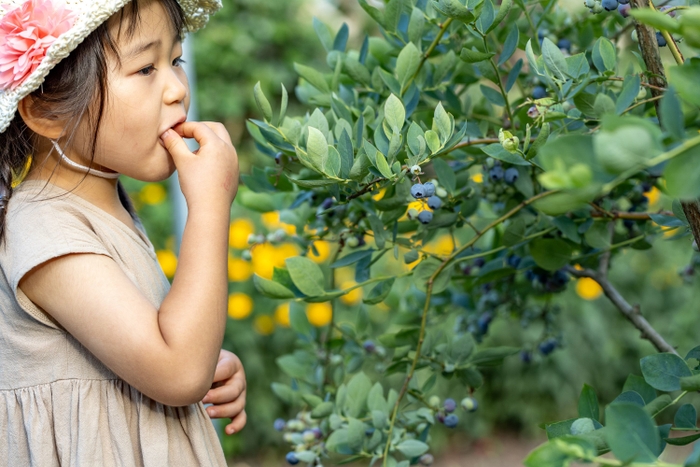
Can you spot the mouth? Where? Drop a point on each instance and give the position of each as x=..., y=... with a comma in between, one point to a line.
x=182, y=119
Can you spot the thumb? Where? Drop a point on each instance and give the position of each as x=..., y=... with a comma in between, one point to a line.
x=175, y=145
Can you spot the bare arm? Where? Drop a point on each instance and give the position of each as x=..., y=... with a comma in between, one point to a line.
x=169, y=354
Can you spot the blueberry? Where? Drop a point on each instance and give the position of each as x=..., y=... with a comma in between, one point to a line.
x=278, y=158
x=429, y=189
x=369, y=431
x=624, y=9
x=539, y=92
x=479, y=262
x=292, y=458
x=317, y=432
x=469, y=404
x=609, y=5
x=530, y=275
x=369, y=346
x=513, y=261
x=496, y=174
x=434, y=202
x=425, y=217
x=483, y=322
x=661, y=40
x=327, y=203
x=280, y=424
x=511, y=175
x=361, y=239
x=560, y=278
x=629, y=224
x=566, y=43
x=626, y=2
x=418, y=191
x=548, y=346
x=427, y=459
x=525, y=356
x=532, y=112
x=450, y=405
x=451, y=420
x=440, y=417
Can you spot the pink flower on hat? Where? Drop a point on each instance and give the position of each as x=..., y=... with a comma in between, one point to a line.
x=25, y=34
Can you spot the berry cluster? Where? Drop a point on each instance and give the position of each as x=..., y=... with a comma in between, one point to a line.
x=304, y=433
x=498, y=181
x=547, y=281
x=446, y=415
x=432, y=194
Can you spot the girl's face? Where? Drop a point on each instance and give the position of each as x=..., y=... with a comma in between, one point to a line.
x=147, y=94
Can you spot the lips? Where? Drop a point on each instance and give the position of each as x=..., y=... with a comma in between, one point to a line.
x=180, y=120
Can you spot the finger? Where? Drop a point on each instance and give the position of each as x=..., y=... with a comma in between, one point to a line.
x=229, y=410
x=201, y=132
x=237, y=424
x=226, y=368
x=175, y=145
x=225, y=393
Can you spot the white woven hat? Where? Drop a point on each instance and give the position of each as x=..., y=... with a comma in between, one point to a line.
x=35, y=35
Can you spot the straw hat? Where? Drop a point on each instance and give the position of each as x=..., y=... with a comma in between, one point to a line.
x=35, y=35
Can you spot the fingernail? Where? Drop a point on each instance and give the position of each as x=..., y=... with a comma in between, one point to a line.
x=166, y=134
x=230, y=431
x=206, y=399
x=211, y=412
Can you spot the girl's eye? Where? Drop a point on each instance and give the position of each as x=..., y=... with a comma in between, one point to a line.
x=178, y=61
x=146, y=71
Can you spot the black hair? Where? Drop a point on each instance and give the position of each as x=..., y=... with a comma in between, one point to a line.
x=58, y=98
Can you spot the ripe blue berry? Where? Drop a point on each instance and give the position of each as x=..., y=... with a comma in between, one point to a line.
x=434, y=202
x=278, y=156
x=624, y=9
x=511, y=175
x=469, y=404
x=451, y=420
x=440, y=417
x=609, y=5
x=425, y=217
x=539, y=92
x=496, y=174
x=479, y=262
x=565, y=44
x=626, y=2
x=450, y=405
x=661, y=40
x=369, y=346
x=548, y=346
x=525, y=356
x=429, y=189
x=327, y=203
x=483, y=322
x=292, y=458
x=280, y=424
x=418, y=191
x=513, y=261
x=369, y=431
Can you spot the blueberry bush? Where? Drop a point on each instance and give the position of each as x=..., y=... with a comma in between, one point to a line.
x=532, y=135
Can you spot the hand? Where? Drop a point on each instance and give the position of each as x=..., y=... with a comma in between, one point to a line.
x=228, y=393
x=208, y=176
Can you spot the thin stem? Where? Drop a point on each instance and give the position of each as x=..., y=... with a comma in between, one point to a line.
x=427, y=53
x=673, y=47
x=645, y=101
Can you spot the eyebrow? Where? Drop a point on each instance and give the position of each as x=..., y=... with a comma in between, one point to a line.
x=142, y=48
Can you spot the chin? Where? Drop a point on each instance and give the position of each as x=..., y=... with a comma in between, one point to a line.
x=156, y=172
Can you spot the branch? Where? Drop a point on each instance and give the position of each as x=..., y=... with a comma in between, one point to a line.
x=630, y=312
x=650, y=52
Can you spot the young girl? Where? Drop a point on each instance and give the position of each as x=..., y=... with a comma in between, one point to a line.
x=102, y=362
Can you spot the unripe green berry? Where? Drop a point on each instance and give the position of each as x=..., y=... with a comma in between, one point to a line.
x=469, y=404
x=434, y=402
x=440, y=191
x=352, y=242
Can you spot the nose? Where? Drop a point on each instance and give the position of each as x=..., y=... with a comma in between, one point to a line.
x=177, y=87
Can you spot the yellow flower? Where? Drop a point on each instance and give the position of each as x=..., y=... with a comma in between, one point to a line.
x=240, y=305
x=271, y=219
x=282, y=315
x=238, y=233
x=168, y=262
x=264, y=259
x=653, y=196
x=264, y=325
x=289, y=228
x=354, y=296
x=324, y=251
x=478, y=178
x=588, y=289
x=379, y=195
x=284, y=251
x=442, y=246
x=239, y=270
x=319, y=314
x=153, y=193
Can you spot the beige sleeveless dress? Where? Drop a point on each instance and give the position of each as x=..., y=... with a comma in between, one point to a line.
x=59, y=405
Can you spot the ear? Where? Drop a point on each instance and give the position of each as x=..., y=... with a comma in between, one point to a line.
x=40, y=124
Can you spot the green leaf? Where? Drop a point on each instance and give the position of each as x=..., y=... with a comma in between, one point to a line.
x=629, y=92
x=263, y=103
x=598, y=235
x=492, y=355
x=685, y=79
x=691, y=383
x=560, y=453
x=539, y=141
x=554, y=59
x=671, y=114
x=445, y=175
x=603, y=105
x=657, y=405
x=663, y=371
x=532, y=60
x=284, y=392
x=271, y=289
x=514, y=233
x=394, y=113
x=500, y=16
x=474, y=56
x=631, y=433
x=485, y=20
x=559, y=429
x=492, y=95
x=637, y=384
x=578, y=65
x=455, y=9
x=497, y=151
x=375, y=399
x=324, y=34
x=357, y=391
x=588, y=403
x=317, y=148
x=298, y=320
x=624, y=148
x=433, y=141
x=379, y=292
x=425, y=269
x=509, y=46
x=442, y=123
x=461, y=348
x=655, y=19
x=603, y=54
x=306, y=275
x=684, y=441
x=682, y=174
x=352, y=258
x=412, y=447
x=322, y=410
x=550, y=253
x=331, y=166
x=686, y=417
x=407, y=63
x=314, y=78
x=631, y=397
x=311, y=184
